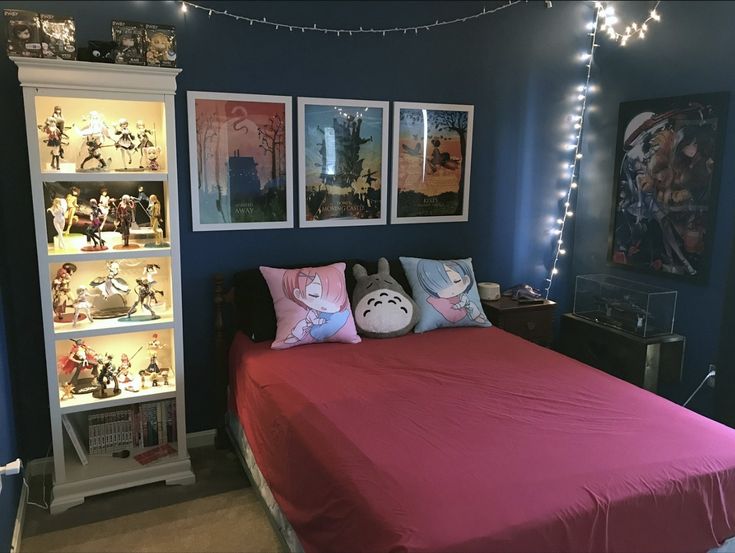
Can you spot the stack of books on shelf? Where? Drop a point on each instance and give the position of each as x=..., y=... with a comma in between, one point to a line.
x=110, y=431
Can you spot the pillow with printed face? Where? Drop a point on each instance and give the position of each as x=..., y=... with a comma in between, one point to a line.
x=445, y=292
x=311, y=305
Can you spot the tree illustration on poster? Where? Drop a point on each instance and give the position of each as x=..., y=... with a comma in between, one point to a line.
x=432, y=152
x=241, y=173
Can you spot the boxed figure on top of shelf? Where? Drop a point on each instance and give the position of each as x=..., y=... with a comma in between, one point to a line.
x=58, y=37
x=161, y=43
x=60, y=287
x=106, y=375
x=130, y=39
x=23, y=33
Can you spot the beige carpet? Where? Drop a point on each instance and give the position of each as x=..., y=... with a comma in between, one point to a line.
x=218, y=514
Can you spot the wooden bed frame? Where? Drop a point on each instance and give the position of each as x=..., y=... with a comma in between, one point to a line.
x=223, y=334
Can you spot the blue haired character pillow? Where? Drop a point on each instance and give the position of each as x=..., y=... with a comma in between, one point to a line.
x=445, y=292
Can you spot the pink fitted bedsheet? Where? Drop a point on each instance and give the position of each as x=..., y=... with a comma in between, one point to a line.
x=474, y=440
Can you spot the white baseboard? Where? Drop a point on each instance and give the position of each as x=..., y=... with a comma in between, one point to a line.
x=20, y=517
x=45, y=465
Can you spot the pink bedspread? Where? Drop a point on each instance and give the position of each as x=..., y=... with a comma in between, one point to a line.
x=473, y=440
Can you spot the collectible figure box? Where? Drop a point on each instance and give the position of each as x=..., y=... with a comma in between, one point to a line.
x=131, y=42
x=161, y=45
x=23, y=33
x=58, y=37
x=633, y=307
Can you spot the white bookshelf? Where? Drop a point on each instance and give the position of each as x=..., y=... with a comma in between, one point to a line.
x=115, y=91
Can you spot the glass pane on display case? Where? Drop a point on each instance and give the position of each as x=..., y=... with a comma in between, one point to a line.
x=110, y=294
x=87, y=216
x=88, y=135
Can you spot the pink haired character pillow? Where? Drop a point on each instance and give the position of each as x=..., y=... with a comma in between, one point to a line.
x=311, y=305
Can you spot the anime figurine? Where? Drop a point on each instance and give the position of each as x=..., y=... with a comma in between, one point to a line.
x=93, y=231
x=105, y=203
x=159, y=48
x=72, y=204
x=138, y=202
x=54, y=140
x=124, y=142
x=95, y=132
x=105, y=375
x=67, y=391
x=80, y=358
x=146, y=296
x=123, y=370
x=144, y=141
x=112, y=283
x=151, y=154
x=447, y=283
x=124, y=212
x=154, y=347
x=55, y=120
x=154, y=212
x=150, y=271
x=60, y=288
x=322, y=293
x=58, y=211
x=82, y=305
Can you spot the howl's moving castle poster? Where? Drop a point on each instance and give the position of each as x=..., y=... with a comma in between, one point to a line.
x=241, y=170
x=343, y=145
x=432, y=153
x=669, y=153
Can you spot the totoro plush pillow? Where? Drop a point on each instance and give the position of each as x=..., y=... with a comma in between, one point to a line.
x=381, y=307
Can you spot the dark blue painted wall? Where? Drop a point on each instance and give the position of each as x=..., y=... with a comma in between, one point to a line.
x=519, y=68
x=8, y=447
x=689, y=52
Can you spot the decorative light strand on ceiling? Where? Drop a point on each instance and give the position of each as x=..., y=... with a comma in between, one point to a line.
x=326, y=30
x=604, y=22
x=635, y=29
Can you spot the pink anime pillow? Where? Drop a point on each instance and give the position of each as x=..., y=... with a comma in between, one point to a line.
x=311, y=305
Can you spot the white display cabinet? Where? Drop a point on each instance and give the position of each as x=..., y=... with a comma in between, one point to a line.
x=95, y=101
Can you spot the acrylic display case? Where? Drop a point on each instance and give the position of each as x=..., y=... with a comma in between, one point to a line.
x=633, y=307
x=109, y=275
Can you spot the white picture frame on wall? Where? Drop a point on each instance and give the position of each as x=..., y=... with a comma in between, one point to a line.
x=432, y=161
x=240, y=157
x=343, y=162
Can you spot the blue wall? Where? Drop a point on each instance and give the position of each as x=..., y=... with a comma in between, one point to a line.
x=519, y=68
x=689, y=52
x=8, y=448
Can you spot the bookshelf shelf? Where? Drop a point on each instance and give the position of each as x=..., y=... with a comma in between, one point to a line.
x=91, y=96
x=85, y=402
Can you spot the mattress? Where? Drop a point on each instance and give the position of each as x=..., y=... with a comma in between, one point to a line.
x=473, y=440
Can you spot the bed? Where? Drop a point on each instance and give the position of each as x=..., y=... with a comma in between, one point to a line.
x=472, y=440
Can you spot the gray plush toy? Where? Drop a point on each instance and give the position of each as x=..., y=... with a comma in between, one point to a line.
x=381, y=307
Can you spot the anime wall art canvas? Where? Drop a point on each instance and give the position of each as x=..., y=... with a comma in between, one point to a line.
x=667, y=169
x=343, y=162
x=432, y=151
x=240, y=159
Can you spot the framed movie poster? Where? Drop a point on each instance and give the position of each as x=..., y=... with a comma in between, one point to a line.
x=240, y=159
x=343, y=162
x=667, y=169
x=432, y=153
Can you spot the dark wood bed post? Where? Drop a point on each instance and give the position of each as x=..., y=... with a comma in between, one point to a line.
x=220, y=362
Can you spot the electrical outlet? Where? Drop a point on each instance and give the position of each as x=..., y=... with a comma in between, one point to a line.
x=711, y=379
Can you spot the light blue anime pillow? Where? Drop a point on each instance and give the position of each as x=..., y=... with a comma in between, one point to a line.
x=445, y=292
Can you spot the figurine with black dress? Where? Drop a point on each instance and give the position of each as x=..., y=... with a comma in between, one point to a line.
x=124, y=142
x=146, y=296
x=105, y=376
x=93, y=231
x=125, y=209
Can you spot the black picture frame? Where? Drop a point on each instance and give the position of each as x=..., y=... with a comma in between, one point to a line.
x=668, y=165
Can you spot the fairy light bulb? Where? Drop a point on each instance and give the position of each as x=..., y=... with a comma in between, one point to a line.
x=555, y=271
x=183, y=7
x=574, y=185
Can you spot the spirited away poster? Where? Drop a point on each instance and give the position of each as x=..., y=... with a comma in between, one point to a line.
x=432, y=150
x=240, y=159
x=343, y=162
x=669, y=154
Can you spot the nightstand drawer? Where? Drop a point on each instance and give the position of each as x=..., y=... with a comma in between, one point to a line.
x=535, y=326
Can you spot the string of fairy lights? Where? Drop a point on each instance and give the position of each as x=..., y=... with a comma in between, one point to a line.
x=605, y=22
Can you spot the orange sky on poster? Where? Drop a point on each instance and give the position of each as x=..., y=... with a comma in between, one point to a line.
x=413, y=174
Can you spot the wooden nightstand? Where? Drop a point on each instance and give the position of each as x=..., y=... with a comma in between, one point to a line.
x=532, y=322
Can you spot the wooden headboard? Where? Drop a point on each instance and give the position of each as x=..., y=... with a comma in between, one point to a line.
x=224, y=330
